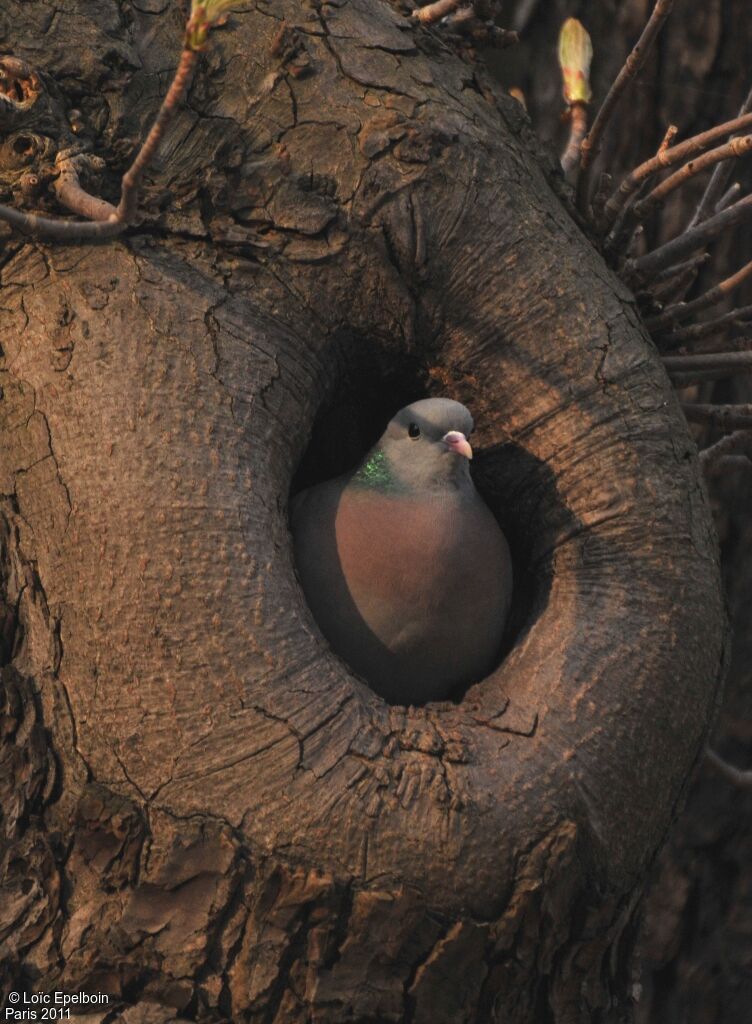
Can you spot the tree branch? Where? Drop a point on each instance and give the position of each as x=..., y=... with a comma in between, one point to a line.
x=682, y=310
x=577, y=128
x=72, y=196
x=691, y=239
x=704, y=330
x=436, y=11
x=711, y=197
x=680, y=268
x=734, y=361
x=740, y=778
x=592, y=141
x=725, y=417
x=105, y=220
x=738, y=443
x=133, y=177
x=52, y=229
x=731, y=150
x=669, y=158
x=728, y=197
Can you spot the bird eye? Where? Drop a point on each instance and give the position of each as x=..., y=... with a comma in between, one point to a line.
x=414, y=431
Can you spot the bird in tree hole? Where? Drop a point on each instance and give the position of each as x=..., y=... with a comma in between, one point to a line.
x=403, y=564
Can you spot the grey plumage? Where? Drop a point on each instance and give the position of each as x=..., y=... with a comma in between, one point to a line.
x=402, y=563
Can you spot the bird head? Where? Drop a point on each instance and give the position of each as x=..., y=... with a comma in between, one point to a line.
x=426, y=444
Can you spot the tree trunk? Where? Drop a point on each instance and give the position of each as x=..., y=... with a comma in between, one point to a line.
x=205, y=815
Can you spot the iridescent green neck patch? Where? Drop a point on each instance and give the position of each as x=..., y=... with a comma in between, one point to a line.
x=375, y=471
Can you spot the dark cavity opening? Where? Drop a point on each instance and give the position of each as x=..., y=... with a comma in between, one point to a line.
x=24, y=145
x=371, y=384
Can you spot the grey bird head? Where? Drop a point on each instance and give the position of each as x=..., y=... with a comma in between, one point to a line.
x=424, y=446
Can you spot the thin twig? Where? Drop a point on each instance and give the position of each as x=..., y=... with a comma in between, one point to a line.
x=175, y=94
x=601, y=195
x=669, y=158
x=679, y=248
x=592, y=142
x=732, y=444
x=108, y=221
x=73, y=196
x=736, y=361
x=696, y=377
x=577, y=128
x=730, y=150
x=687, y=335
x=680, y=268
x=52, y=229
x=718, y=181
x=619, y=237
x=673, y=287
x=725, y=417
x=462, y=17
x=436, y=11
x=682, y=310
x=728, y=771
x=683, y=372
x=728, y=197
x=668, y=138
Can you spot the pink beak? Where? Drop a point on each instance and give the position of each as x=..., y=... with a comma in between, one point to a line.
x=457, y=442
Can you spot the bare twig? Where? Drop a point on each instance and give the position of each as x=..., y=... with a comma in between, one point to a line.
x=737, y=443
x=731, y=150
x=436, y=11
x=725, y=417
x=461, y=17
x=622, y=229
x=72, y=196
x=673, y=286
x=601, y=195
x=680, y=268
x=687, y=335
x=668, y=138
x=577, y=128
x=696, y=377
x=709, y=361
x=52, y=229
x=685, y=370
x=728, y=197
x=105, y=220
x=592, y=141
x=175, y=94
x=679, y=248
x=682, y=310
x=728, y=771
x=711, y=197
x=669, y=158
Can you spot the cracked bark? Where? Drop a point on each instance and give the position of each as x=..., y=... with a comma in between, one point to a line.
x=205, y=815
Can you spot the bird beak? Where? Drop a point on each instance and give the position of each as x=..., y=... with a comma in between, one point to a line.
x=457, y=442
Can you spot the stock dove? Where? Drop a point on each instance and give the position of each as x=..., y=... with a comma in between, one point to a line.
x=403, y=564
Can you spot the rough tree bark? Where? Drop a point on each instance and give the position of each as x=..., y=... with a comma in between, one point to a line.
x=204, y=814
